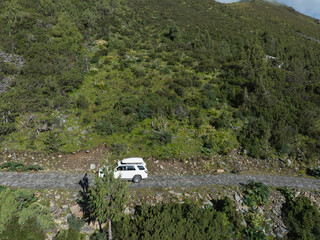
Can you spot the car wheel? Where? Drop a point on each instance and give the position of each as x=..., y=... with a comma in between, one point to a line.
x=136, y=178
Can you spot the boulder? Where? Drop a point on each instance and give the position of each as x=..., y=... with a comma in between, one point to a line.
x=76, y=211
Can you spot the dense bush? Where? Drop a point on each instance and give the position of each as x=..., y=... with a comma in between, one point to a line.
x=255, y=193
x=15, y=166
x=315, y=172
x=176, y=221
x=301, y=218
x=21, y=217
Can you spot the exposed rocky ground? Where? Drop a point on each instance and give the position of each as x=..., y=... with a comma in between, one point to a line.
x=90, y=160
x=62, y=203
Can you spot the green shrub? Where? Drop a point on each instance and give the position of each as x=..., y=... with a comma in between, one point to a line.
x=82, y=102
x=21, y=217
x=287, y=193
x=12, y=166
x=72, y=233
x=33, y=168
x=315, y=172
x=175, y=221
x=15, y=166
x=53, y=143
x=30, y=230
x=302, y=219
x=255, y=193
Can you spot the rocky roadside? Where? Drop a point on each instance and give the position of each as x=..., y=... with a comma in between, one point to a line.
x=63, y=203
x=61, y=191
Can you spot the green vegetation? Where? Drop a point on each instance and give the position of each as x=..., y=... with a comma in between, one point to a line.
x=177, y=221
x=301, y=218
x=187, y=81
x=21, y=216
x=15, y=166
x=106, y=200
x=255, y=194
x=315, y=172
x=74, y=226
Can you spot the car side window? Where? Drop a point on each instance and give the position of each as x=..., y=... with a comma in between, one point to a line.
x=141, y=167
x=131, y=168
x=121, y=168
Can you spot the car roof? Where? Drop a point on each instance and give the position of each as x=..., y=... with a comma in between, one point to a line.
x=134, y=160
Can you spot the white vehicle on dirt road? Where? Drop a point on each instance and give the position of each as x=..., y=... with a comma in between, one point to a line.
x=133, y=169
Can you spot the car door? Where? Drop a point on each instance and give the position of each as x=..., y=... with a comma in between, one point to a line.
x=118, y=172
x=128, y=173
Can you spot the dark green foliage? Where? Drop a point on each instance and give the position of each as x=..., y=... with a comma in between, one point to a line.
x=315, y=172
x=21, y=216
x=255, y=193
x=15, y=166
x=287, y=193
x=72, y=233
x=302, y=219
x=177, y=221
x=82, y=102
x=148, y=59
x=53, y=143
x=30, y=230
x=254, y=233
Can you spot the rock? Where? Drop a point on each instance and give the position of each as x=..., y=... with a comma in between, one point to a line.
x=86, y=229
x=281, y=232
x=53, y=209
x=159, y=198
x=128, y=211
x=237, y=197
x=92, y=166
x=76, y=211
x=207, y=202
x=175, y=193
x=289, y=162
x=244, y=223
x=161, y=167
x=57, y=197
x=296, y=194
x=220, y=171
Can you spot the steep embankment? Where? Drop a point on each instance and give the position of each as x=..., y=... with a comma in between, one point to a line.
x=164, y=79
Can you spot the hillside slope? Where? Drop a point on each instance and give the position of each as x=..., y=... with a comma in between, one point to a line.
x=168, y=79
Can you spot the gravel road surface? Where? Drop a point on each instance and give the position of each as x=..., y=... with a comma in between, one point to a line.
x=58, y=180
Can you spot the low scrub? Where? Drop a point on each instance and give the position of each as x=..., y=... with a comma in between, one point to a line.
x=315, y=172
x=20, y=167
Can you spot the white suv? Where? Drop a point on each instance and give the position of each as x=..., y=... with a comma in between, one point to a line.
x=129, y=169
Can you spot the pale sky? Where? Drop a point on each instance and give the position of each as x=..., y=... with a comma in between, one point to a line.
x=307, y=7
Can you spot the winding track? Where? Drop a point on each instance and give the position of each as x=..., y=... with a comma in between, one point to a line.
x=58, y=180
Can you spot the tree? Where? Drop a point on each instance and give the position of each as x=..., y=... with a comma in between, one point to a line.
x=66, y=37
x=22, y=217
x=107, y=199
x=12, y=15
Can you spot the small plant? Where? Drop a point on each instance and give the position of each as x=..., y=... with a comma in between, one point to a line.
x=256, y=194
x=33, y=168
x=315, y=172
x=235, y=171
x=286, y=192
x=15, y=166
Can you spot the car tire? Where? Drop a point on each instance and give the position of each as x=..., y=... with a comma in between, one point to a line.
x=136, y=178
